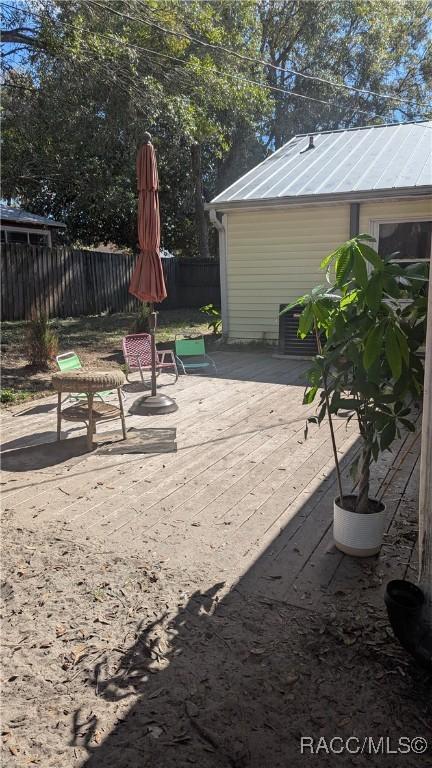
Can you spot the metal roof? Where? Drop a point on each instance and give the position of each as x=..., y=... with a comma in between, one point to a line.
x=9, y=214
x=364, y=162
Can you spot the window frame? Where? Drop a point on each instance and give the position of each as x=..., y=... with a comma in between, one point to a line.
x=374, y=231
x=374, y=227
x=28, y=232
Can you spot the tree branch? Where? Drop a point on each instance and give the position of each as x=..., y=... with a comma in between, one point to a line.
x=19, y=36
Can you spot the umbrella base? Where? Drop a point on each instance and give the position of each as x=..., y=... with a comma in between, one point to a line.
x=153, y=405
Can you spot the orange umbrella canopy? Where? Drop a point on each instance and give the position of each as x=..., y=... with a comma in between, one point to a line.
x=147, y=282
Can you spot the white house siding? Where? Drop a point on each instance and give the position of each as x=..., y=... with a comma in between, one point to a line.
x=273, y=256
x=394, y=209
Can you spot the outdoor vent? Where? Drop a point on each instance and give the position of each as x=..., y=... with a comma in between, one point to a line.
x=289, y=343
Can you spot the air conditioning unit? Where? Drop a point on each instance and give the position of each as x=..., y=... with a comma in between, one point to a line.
x=289, y=343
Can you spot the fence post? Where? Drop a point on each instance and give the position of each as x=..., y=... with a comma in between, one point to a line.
x=63, y=282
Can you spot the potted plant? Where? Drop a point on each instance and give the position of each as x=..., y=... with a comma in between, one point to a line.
x=367, y=368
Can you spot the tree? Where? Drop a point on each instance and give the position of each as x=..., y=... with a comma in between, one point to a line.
x=74, y=119
x=92, y=75
x=369, y=364
x=381, y=47
x=201, y=219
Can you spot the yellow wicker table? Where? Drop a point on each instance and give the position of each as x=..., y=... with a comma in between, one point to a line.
x=89, y=382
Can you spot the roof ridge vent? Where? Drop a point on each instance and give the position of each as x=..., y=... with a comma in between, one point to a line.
x=311, y=144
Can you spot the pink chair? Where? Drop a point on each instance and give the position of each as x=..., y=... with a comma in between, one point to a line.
x=137, y=355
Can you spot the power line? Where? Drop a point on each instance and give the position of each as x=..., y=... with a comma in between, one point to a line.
x=262, y=62
x=236, y=77
x=226, y=74
x=243, y=57
x=240, y=78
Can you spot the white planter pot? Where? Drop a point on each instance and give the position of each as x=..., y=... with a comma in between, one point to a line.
x=357, y=534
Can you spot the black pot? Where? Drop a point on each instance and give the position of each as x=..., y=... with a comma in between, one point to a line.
x=406, y=610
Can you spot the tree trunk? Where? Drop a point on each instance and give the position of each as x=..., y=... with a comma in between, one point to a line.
x=363, y=491
x=200, y=214
x=330, y=420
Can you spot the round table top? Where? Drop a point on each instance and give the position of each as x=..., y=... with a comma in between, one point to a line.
x=87, y=381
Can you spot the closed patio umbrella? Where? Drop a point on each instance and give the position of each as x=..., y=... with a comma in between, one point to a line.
x=147, y=282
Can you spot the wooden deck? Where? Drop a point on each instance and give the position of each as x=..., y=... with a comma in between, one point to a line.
x=245, y=498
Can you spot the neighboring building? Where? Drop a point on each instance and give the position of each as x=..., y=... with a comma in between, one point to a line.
x=108, y=248
x=18, y=226
x=279, y=220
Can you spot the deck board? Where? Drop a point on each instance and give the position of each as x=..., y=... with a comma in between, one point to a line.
x=245, y=495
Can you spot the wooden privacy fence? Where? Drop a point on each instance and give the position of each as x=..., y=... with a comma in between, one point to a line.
x=63, y=282
x=191, y=282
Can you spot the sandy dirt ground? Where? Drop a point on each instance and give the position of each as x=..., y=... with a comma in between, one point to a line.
x=129, y=650
x=113, y=661
x=97, y=341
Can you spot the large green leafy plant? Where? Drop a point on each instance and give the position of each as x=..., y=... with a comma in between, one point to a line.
x=369, y=324
x=214, y=317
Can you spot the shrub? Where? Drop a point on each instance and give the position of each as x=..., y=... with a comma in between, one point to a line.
x=214, y=317
x=10, y=396
x=141, y=323
x=7, y=396
x=42, y=343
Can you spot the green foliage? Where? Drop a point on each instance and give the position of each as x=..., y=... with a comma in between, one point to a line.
x=214, y=315
x=75, y=116
x=369, y=364
x=10, y=396
x=93, y=76
x=141, y=324
x=7, y=395
x=42, y=343
x=379, y=45
x=318, y=306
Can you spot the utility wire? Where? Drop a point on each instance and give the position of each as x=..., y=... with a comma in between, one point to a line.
x=249, y=81
x=267, y=86
x=226, y=74
x=250, y=59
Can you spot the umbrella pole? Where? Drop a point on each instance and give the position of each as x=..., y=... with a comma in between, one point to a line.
x=156, y=403
x=149, y=240
x=153, y=319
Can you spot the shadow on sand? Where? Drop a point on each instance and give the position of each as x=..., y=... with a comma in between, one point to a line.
x=235, y=679
x=37, y=409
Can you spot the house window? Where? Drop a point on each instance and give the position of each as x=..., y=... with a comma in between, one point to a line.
x=25, y=236
x=17, y=236
x=410, y=241
x=37, y=238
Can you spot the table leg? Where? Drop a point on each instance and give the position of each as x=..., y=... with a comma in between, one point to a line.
x=122, y=416
x=59, y=416
x=90, y=429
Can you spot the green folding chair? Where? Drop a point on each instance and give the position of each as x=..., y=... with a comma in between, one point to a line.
x=191, y=355
x=69, y=361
